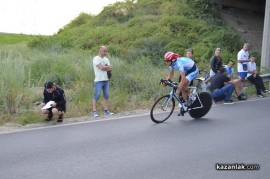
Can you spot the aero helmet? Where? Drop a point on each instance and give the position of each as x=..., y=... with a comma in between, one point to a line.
x=170, y=56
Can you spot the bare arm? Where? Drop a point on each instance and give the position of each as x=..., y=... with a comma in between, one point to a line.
x=242, y=61
x=170, y=76
x=105, y=68
x=231, y=77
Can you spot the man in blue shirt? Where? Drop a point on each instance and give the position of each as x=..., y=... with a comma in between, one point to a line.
x=237, y=86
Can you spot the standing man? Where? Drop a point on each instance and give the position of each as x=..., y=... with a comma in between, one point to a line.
x=242, y=58
x=101, y=68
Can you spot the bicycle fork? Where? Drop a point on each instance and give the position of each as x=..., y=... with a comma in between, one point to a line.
x=165, y=104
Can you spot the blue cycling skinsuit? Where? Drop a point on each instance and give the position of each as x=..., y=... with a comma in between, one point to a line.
x=185, y=64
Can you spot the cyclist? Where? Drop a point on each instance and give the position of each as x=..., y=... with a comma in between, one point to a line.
x=187, y=68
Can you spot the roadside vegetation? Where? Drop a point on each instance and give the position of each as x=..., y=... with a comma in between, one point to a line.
x=137, y=34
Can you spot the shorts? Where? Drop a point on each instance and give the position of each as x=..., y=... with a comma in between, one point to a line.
x=192, y=74
x=101, y=85
x=242, y=74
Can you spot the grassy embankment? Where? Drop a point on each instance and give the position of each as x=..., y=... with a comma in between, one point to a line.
x=23, y=72
x=137, y=35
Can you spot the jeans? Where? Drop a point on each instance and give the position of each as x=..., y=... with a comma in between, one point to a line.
x=224, y=93
x=104, y=85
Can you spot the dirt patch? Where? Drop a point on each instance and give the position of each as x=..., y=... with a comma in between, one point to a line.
x=11, y=127
x=248, y=24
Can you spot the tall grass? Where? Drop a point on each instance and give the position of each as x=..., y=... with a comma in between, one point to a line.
x=12, y=77
x=134, y=84
x=22, y=76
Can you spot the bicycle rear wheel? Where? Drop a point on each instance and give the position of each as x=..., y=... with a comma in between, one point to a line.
x=201, y=105
x=162, y=109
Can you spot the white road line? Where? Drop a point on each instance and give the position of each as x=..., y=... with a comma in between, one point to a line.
x=14, y=130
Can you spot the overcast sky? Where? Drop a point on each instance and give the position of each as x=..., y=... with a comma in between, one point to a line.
x=44, y=17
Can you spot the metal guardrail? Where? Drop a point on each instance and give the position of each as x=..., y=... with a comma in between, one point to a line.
x=265, y=77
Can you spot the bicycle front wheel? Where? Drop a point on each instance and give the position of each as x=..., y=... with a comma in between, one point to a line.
x=162, y=109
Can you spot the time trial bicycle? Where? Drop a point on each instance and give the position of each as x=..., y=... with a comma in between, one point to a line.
x=198, y=105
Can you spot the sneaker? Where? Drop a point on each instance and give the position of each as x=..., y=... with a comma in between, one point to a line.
x=266, y=91
x=242, y=94
x=260, y=96
x=242, y=97
x=228, y=102
x=60, y=118
x=107, y=112
x=95, y=114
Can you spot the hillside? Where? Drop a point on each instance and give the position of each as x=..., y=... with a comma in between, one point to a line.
x=149, y=28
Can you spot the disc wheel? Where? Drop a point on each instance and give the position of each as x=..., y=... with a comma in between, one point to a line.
x=196, y=111
x=162, y=109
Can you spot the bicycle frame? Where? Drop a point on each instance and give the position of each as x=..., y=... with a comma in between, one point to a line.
x=197, y=106
x=174, y=86
x=195, y=92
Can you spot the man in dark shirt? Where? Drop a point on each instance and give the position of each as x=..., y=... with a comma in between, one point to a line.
x=221, y=88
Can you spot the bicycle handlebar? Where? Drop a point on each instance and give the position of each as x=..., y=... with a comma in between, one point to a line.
x=169, y=83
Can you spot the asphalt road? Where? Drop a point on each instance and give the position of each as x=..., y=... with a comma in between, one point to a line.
x=135, y=147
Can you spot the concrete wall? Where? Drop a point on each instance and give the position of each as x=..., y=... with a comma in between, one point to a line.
x=265, y=61
x=254, y=5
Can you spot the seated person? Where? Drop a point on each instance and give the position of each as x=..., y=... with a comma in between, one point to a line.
x=255, y=78
x=221, y=88
x=237, y=87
